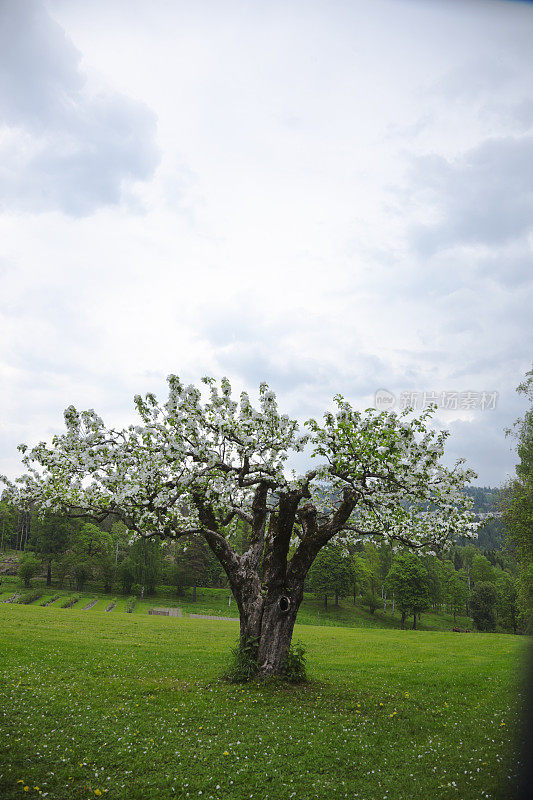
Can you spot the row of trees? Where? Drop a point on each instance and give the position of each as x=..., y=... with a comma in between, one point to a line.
x=412, y=584
x=467, y=582
x=76, y=552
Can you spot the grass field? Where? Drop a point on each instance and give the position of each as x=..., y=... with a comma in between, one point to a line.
x=132, y=706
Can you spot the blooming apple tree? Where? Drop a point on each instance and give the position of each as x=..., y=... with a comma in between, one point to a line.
x=195, y=466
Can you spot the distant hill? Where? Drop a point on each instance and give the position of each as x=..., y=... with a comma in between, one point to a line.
x=484, y=497
x=492, y=535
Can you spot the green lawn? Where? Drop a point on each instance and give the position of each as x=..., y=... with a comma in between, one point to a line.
x=132, y=706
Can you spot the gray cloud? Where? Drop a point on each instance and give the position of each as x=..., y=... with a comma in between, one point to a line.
x=512, y=265
x=474, y=80
x=485, y=197
x=522, y=113
x=482, y=442
x=63, y=148
x=255, y=363
x=248, y=346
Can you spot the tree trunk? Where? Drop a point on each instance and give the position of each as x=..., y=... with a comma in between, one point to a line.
x=325, y=602
x=267, y=581
x=276, y=635
x=403, y=620
x=414, y=621
x=267, y=617
x=49, y=573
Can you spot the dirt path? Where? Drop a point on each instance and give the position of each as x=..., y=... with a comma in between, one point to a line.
x=90, y=605
x=206, y=616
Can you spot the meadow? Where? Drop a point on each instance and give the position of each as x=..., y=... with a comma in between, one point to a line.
x=131, y=706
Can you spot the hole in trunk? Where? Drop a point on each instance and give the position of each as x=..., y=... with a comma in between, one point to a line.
x=284, y=603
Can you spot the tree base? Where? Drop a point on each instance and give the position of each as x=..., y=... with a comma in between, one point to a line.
x=244, y=667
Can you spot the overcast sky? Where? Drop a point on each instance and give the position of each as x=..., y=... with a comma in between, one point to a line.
x=332, y=196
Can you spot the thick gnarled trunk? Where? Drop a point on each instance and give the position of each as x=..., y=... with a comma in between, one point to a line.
x=268, y=623
x=277, y=626
x=267, y=580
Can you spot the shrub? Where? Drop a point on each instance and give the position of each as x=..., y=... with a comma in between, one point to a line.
x=70, y=601
x=30, y=597
x=81, y=571
x=293, y=667
x=243, y=663
x=130, y=605
x=371, y=601
x=28, y=567
x=49, y=600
